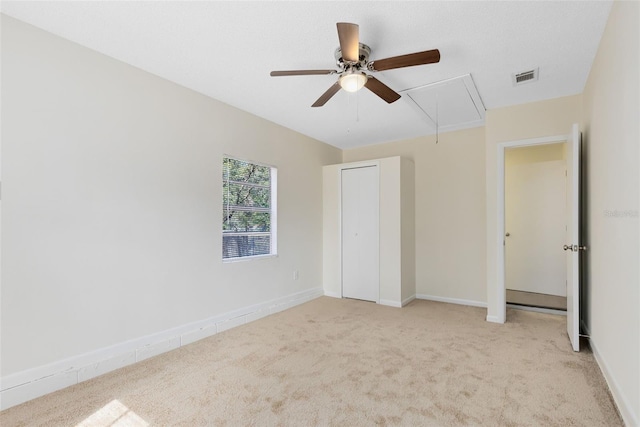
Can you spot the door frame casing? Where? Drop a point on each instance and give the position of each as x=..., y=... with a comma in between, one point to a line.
x=500, y=285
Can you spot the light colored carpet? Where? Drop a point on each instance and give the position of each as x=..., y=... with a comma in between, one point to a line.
x=346, y=362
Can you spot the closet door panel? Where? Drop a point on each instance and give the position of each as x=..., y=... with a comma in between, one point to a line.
x=360, y=233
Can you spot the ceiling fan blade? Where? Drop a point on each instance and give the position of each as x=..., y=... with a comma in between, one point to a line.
x=382, y=90
x=349, y=41
x=301, y=72
x=327, y=95
x=418, y=58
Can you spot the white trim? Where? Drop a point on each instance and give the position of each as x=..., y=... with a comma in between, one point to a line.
x=387, y=302
x=585, y=328
x=537, y=309
x=26, y=385
x=624, y=406
x=332, y=294
x=501, y=290
x=390, y=303
x=534, y=141
x=359, y=164
x=448, y=300
x=243, y=159
x=273, y=193
x=248, y=258
x=408, y=300
x=493, y=319
x=499, y=287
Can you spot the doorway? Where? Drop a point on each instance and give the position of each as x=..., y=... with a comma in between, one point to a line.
x=572, y=246
x=535, y=224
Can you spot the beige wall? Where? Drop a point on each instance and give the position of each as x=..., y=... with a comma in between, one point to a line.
x=534, y=154
x=611, y=150
x=449, y=210
x=390, y=232
x=331, y=236
x=408, y=229
x=534, y=120
x=111, y=211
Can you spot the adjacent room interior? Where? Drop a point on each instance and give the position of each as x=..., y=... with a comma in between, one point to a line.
x=191, y=235
x=535, y=212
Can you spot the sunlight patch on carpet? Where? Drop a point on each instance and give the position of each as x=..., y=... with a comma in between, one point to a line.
x=114, y=414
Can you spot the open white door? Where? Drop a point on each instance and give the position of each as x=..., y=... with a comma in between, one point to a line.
x=572, y=246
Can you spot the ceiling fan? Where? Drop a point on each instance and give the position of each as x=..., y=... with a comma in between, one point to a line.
x=352, y=57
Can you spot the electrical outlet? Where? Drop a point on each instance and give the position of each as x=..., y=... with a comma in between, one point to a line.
x=295, y=275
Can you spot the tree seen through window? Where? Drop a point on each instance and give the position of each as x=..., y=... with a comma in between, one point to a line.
x=247, y=213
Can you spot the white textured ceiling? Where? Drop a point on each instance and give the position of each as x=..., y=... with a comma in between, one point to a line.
x=227, y=49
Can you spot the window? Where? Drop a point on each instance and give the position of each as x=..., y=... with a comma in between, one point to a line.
x=249, y=209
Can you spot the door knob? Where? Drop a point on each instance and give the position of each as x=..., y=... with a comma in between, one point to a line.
x=508, y=234
x=574, y=248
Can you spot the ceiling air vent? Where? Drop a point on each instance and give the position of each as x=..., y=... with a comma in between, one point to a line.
x=525, y=77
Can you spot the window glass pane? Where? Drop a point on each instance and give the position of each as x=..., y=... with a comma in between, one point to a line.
x=241, y=246
x=239, y=221
x=246, y=195
x=238, y=170
x=246, y=211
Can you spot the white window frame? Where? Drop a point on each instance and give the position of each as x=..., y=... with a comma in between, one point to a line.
x=273, y=252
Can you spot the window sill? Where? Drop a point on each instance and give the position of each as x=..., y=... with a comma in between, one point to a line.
x=247, y=258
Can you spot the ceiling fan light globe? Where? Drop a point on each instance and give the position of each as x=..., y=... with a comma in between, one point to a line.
x=353, y=82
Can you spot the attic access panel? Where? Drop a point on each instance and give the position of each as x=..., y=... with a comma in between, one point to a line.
x=453, y=103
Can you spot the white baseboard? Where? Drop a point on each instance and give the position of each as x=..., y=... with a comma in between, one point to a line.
x=584, y=327
x=493, y=319
x=390, y=303
x=452, y=300
x=624, y=406
x=26, y=385
x=387, y=302
x=332, y=294
x=408, y=300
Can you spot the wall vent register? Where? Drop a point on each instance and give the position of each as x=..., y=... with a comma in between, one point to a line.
x=525, y=77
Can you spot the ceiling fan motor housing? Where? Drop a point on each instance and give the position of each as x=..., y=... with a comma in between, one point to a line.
x=363, y=56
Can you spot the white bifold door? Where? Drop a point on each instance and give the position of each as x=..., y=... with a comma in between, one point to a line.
x=360, y=233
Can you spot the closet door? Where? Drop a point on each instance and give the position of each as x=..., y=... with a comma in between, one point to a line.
x=360, y=234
